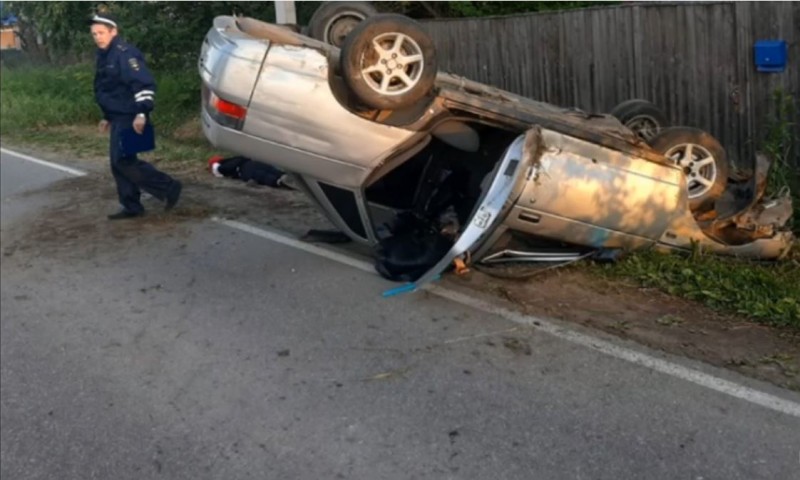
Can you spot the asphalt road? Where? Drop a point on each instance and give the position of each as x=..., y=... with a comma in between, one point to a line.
x=217, y=354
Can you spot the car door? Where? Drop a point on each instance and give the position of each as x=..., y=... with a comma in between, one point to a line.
x=502, y=187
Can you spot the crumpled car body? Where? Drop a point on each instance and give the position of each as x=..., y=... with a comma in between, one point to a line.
x=476, y=163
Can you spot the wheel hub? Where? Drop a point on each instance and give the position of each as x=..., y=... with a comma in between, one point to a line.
x=397, y=64
x=340, y=26
x=645, y=126
x=390, y=62
x=699, y=166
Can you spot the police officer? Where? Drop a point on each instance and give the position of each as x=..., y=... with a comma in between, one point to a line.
x=125, y=91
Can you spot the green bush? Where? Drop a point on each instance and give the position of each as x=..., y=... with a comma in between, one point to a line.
x=169, y=33
x=38, y=97
x=177, y=99
x=782, y=144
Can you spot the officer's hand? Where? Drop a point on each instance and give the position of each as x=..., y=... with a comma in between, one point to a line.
x=138, y=124
x=102, y=127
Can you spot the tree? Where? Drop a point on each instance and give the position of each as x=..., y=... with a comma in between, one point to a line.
x=170, y=33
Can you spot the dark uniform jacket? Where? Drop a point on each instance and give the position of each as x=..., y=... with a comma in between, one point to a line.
x=246, y=169
x=123, y=86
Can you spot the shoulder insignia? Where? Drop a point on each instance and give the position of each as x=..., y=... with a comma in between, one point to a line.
x=134, y=64
x=122, y=46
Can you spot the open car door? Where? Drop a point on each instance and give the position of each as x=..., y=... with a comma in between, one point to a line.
x=505, y=184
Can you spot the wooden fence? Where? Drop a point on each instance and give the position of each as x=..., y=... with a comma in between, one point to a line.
x=693, y=60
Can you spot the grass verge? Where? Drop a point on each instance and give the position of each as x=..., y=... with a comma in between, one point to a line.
x=781, y=142
x=84, y=141
x=768, y=293
x=54, y=108
x=36, y=98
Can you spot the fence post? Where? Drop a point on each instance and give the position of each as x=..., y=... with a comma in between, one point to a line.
x=285, y=12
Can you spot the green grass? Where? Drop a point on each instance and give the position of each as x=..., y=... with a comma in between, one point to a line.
x=84, y=142
x=35, y=98
x=54, y=107
x=766, y=292
x=781, y=143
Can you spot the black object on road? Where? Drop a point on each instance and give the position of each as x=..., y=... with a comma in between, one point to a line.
x=246, y=169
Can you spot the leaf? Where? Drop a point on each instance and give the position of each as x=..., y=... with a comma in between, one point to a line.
x=710, y=294
x=390, y=374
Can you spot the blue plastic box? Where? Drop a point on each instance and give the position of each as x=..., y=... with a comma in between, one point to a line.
x=770, y=55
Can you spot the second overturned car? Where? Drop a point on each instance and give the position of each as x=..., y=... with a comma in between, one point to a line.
x=432, y=168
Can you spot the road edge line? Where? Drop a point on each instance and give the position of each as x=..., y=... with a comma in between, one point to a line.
x=71, y=171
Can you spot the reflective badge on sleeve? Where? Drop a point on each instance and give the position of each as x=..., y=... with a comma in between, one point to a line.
x=134, y=64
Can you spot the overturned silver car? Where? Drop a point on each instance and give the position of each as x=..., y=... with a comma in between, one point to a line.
x=432, y=168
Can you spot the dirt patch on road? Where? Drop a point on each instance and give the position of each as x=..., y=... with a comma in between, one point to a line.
x=652, y=318
x=77, y=227
x=77, y=219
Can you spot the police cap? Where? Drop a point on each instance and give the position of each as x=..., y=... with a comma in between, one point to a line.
x=103, y=18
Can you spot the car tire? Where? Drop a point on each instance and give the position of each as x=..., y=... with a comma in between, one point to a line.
x=399, y=73
x=333, y=21
x=702, y=159
x=642, y=117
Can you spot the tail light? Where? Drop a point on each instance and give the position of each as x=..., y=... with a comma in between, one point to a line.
x=226, y=113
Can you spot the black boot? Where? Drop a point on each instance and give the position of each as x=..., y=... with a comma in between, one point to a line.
x=173, y=195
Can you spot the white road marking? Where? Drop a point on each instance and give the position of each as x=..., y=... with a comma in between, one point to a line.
x=666, y=367
x=71, y=171
x=660, y=365
x=282, y=238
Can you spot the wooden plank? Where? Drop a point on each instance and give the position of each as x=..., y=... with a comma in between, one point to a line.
x=794, y=77
x=742, y=91
x=631, y=65
x=725, y=121
x=552, y=68
x=560, y=95
x=638, y=60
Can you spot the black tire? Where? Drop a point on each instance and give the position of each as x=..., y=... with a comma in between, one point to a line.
x=641, y=116
x=400, y=84
x=333, y=21
x=707, y=169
